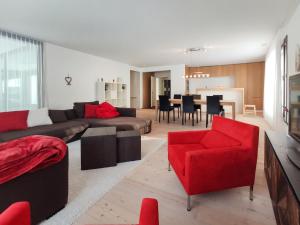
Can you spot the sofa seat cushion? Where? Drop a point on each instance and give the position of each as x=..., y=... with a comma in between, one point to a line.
x=215, y=139
x=121, y=123
x=178, y=152
x=64, y=130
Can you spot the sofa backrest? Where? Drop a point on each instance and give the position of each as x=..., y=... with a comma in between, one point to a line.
x=79, y=107
x=245, y=133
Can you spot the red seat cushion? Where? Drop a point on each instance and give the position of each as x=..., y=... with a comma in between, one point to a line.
x=178, y=152
x=215, y=139
x=15, y=120
x=106, y=111
x=90, y=111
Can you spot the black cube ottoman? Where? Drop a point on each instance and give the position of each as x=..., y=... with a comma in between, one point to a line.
x=98, y=148
x=128, y=146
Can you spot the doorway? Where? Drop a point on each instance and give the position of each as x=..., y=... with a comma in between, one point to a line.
x=155, y=84
x=147, y=89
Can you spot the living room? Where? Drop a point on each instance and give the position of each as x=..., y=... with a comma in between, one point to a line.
x=149, y=112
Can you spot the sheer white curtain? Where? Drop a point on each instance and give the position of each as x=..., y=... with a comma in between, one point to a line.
x=20, y=72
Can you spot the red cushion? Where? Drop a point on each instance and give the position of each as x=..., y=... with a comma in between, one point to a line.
x=215, y=139
x=15, y=120
x=106, y=111
x=107, y=106
x=90, y=111
x=243, y=132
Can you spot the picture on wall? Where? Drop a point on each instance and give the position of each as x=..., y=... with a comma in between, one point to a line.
x=298, y=58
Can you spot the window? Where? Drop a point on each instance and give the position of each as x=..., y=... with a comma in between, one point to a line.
x=284, y=75
x=20, y=72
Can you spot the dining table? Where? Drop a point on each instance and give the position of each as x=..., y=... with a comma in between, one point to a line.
x=198, y=102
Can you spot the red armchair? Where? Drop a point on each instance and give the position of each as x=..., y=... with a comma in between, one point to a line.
x=211, y=160
x=17, y=214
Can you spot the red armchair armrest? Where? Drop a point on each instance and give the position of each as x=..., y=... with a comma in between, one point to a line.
x=216, y=169
x=17, y=214
x=149, y=212
x=185, y=137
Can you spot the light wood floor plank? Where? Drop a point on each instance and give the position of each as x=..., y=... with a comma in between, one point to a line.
x=121, y=204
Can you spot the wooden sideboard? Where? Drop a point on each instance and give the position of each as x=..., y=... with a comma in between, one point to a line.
x=283, y=179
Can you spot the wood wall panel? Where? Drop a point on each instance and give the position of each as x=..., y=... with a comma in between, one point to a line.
x=249, y=76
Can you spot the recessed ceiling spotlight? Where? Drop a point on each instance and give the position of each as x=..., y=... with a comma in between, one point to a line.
x=199, y=49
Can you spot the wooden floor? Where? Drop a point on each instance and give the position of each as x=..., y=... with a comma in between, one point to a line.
x=151, y=179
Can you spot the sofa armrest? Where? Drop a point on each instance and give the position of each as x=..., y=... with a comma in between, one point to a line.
x=127, y=112
x=149, y=212
x=185, y=137
x=220, y=167
x=17, y=213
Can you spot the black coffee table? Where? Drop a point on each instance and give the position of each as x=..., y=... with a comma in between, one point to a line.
x=98, y=148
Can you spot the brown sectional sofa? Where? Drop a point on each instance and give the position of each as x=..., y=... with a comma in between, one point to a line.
x=71, y=127
x=47, y=189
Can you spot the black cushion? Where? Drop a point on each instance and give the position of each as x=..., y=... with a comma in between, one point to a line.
x=79, y=107
x=70, y=113
x=58, y=116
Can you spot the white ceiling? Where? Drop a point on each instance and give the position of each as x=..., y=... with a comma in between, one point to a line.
x=153, y=32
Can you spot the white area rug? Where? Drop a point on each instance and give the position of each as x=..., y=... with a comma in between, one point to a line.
x=87, y=187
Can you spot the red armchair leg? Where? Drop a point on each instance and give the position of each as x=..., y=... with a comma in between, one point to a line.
x=169, y=167
x=251, y=193
x=188, y=208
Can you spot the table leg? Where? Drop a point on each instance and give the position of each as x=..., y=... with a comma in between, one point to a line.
x=156, y=111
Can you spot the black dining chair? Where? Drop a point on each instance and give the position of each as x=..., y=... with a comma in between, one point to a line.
x=198, y=107
x=188, y=106
x=165, y=106
x=221, y=107
x=212, y=107
x=178, y=106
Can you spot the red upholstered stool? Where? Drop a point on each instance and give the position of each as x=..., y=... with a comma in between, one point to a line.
x=17, y=214
x=149, y=212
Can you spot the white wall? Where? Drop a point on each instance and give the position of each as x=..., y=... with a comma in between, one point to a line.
x=84, y=69
x=273, y=79
x=163, y=74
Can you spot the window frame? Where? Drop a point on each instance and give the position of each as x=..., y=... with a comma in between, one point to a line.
x=284, y=76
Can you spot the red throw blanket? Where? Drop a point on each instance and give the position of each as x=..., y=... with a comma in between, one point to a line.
x=29, y=154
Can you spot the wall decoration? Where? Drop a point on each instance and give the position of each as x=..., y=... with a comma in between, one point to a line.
x=297, y=58
x=68, y=80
